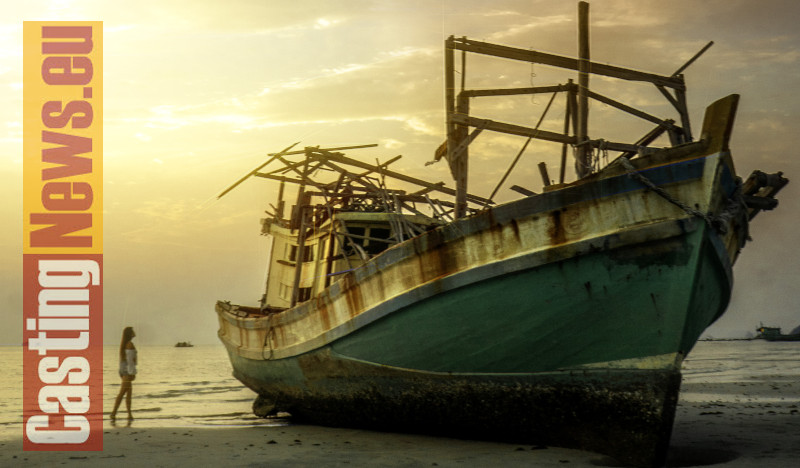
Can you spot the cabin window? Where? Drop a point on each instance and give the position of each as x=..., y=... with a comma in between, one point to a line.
x=355, y=236
x=369, y=238
x=303, y=294
x=374, y=247
x=308, y=253
x=358, y=234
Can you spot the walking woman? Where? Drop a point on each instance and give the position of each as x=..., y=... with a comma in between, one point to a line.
x=127, y=371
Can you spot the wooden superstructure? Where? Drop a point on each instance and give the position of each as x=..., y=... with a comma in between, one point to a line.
x=463, y=128
x=344, y=214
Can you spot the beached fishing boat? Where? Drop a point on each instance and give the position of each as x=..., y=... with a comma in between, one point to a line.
x=560, y=318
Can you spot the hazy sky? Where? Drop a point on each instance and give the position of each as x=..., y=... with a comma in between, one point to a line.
x=197, y=92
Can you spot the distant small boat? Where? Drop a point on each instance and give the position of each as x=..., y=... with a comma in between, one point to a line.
x=184, y=344
x=774, y=334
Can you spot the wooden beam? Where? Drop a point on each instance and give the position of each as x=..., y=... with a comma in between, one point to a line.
x=265, y=175
x=516, y=91
x=523, y=190
x=544, y=174
x=459, y=158
x=532, y=56
x=670, y=98
x=335, y=157
x=338, y=148
x=251, y=173
x=461, y=150
x=564, y=147
x=645, y=140
x=583, y=164
x=691, y=60
x=683, y=110
x=513, y=129
x=613, y=146
x=631, y=110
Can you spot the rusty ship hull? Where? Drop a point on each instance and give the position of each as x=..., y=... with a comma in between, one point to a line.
x=561, y=318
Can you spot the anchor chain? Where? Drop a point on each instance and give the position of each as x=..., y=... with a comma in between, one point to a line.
x=734, y=208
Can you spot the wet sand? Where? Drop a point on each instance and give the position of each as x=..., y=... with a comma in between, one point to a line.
x=740, y=424
x=743, y=424
x=739, y=407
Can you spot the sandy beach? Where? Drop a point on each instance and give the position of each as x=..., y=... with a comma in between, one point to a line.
x=715, y=432
x=739, y=407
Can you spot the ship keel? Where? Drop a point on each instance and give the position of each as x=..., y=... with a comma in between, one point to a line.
x=626, y=414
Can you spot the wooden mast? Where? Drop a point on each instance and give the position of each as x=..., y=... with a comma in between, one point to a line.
x=583, y=163
x=457, y=156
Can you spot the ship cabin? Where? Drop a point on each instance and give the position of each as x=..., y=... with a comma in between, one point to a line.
x=301, y=266
x=344, y=215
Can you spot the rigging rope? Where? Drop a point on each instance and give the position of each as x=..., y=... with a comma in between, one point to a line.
x=735, y=207
x=514, y=162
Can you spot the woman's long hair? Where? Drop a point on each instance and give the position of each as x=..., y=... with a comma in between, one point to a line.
x=127, y=336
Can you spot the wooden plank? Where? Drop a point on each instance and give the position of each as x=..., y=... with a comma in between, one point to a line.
x=449, y=95
x=684, y=112
x=645, y=140
x=631, y=110
x=375, y=194
x=569, y=63
x=386, y=163
x=251, y=173
x=544, y=174
x=523, y=190
x=396, y=175
x=427, y=190
x=613, y=146
x=461, y=150
x=264, y=175
x=670, y=98
x=564, y=146
x=515, y=91
x=573, y=103
x=691, y=60
x=459, y=158
x=338, y=148
x=512, y=129
x=353, y=177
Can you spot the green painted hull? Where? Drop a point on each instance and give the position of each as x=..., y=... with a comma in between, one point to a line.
x=644, y=300
x=587, y=353
x=560, y=319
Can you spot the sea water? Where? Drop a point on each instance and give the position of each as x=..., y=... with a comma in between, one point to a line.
x=174, y=387
x=193, y=387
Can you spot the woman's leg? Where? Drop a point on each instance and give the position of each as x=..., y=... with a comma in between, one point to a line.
x=128, y=397
x=123, y=389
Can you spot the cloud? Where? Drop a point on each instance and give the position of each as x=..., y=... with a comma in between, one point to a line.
x=391, y=143
x=530, y=23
